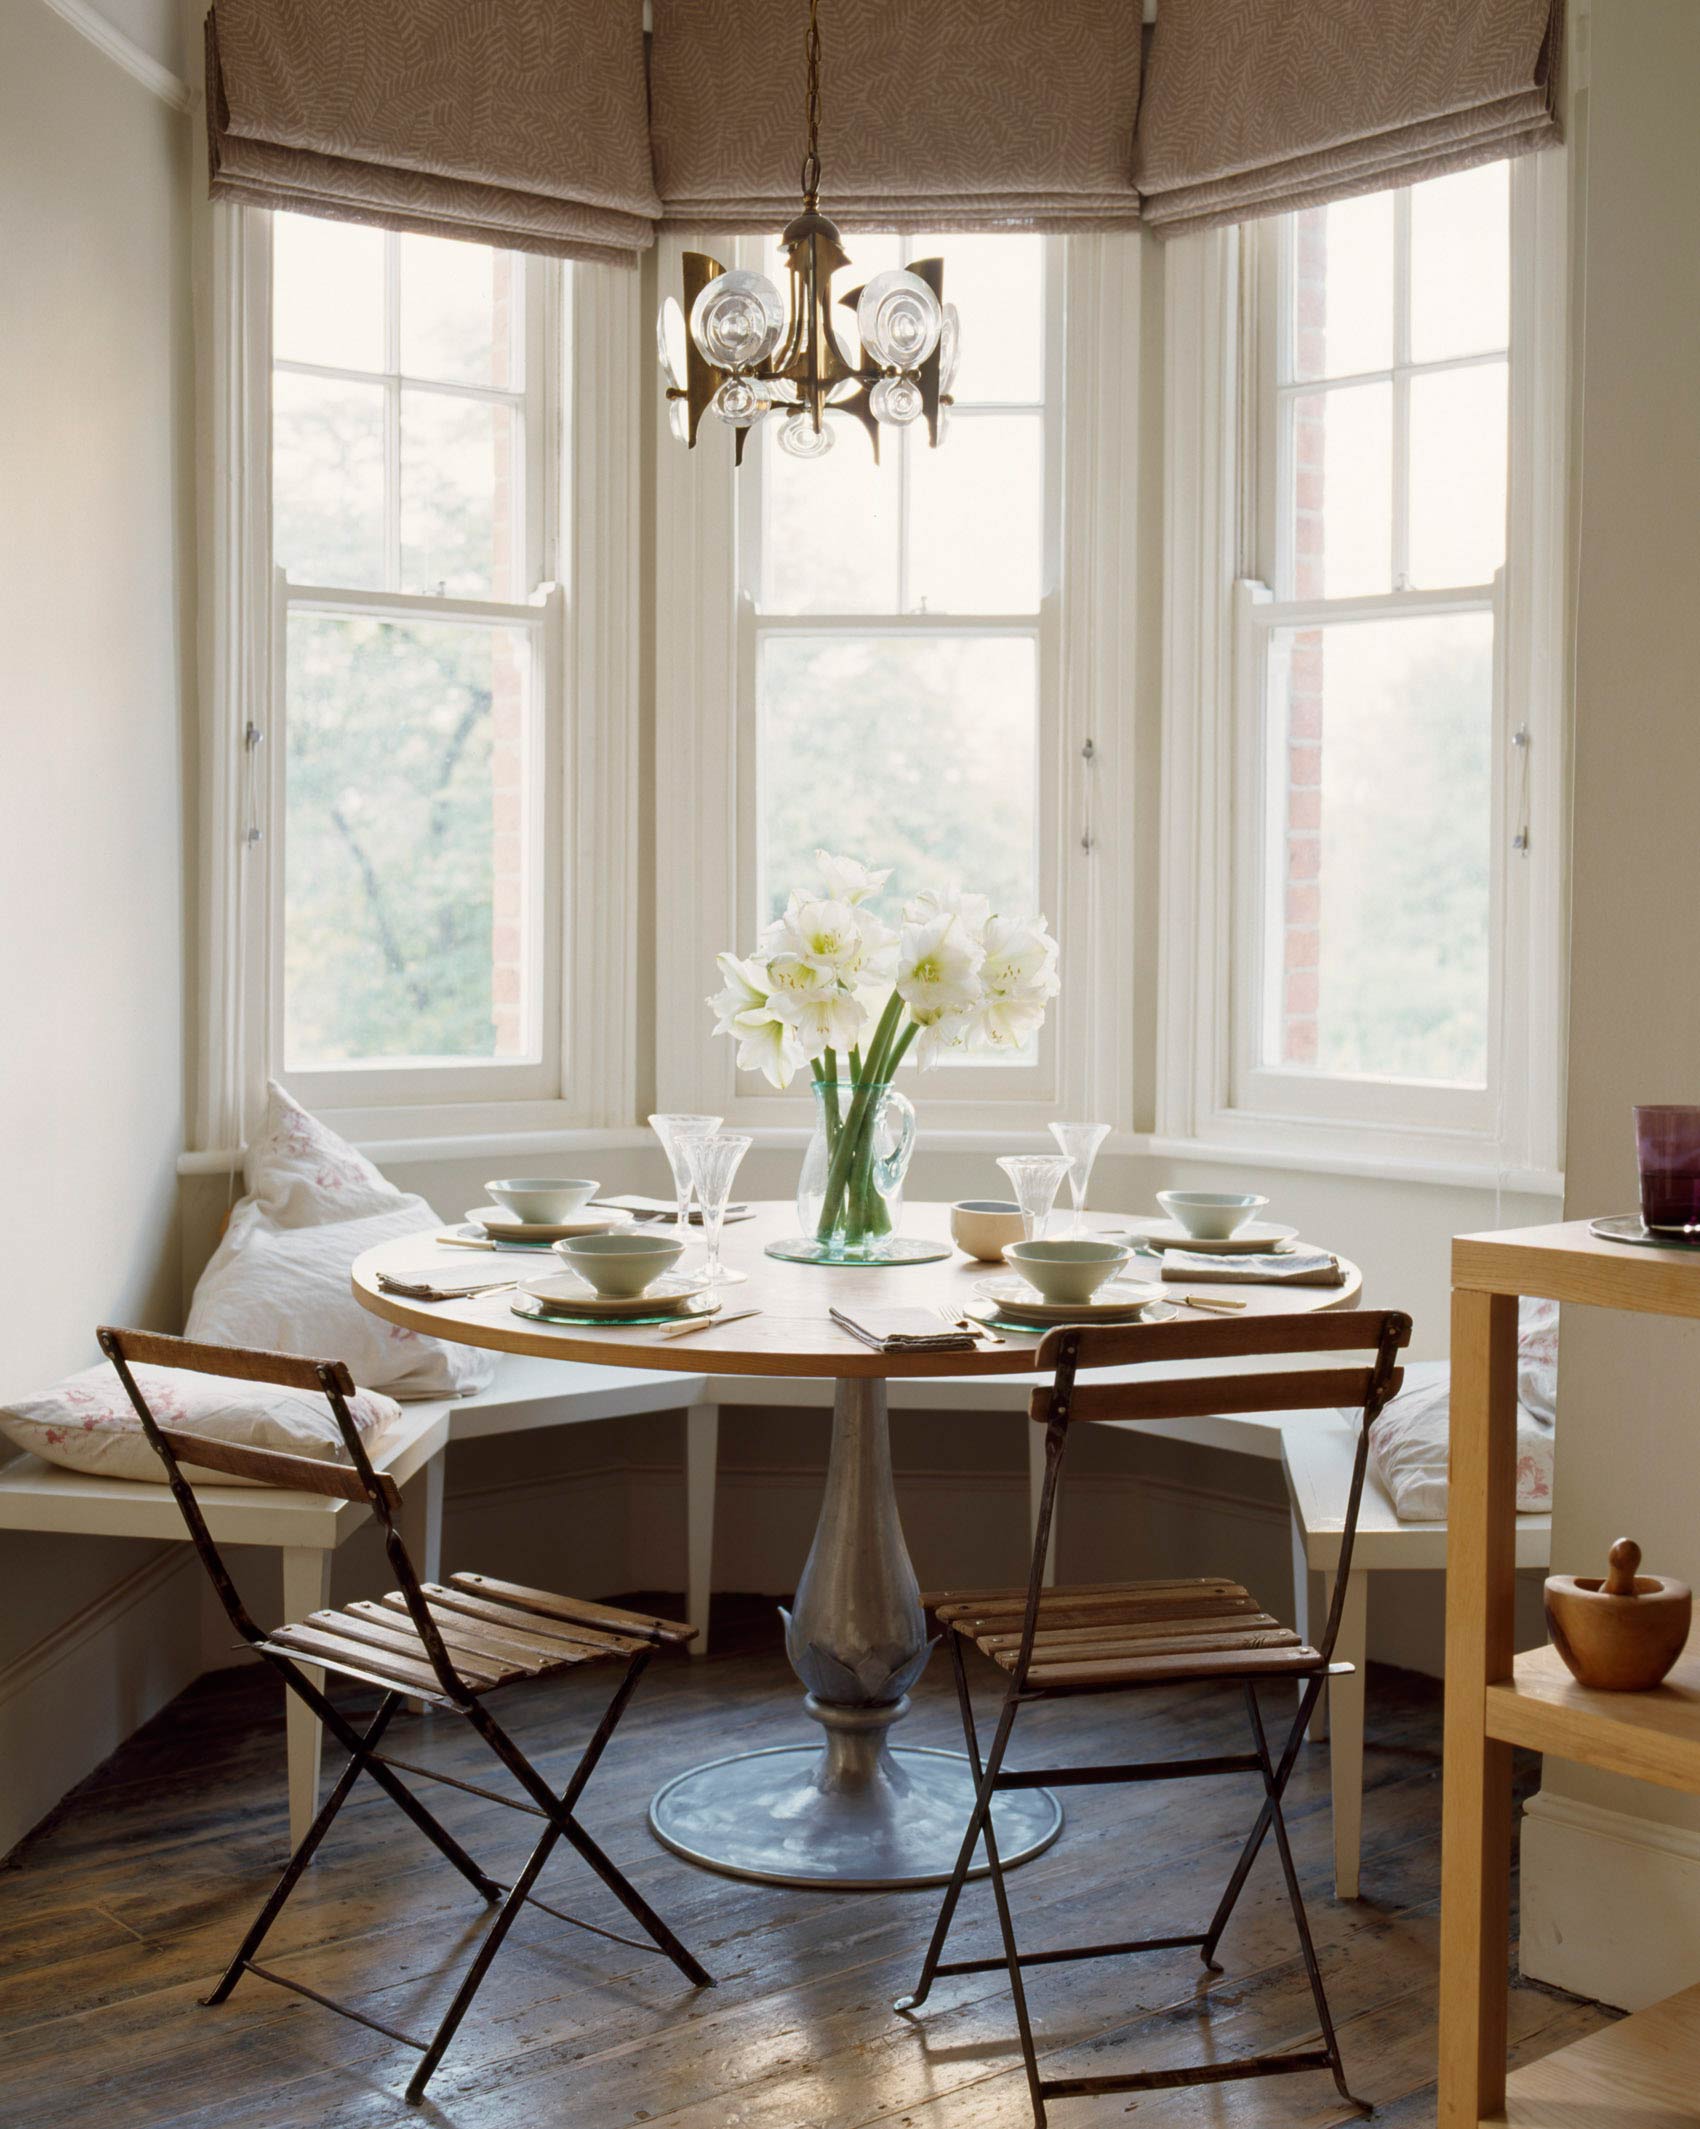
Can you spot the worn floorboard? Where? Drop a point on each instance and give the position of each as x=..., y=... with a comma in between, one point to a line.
x=116, y=1916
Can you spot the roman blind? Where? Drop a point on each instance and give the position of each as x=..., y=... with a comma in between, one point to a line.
x=516, y=122
x=1254, y=106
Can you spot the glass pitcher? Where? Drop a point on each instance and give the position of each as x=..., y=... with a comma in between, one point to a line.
x=850, y=1194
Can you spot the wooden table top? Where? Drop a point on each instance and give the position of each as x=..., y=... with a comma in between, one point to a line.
x=794, y=1334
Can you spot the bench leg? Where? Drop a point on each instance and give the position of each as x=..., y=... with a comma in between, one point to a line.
x=1307, y=1625
x=1346, y=1735
x=306, y=1588
x=1035, y=1487
x=420, y=1521
x=702, y=1451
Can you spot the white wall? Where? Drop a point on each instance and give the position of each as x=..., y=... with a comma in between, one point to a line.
x=94, y=422
x=1611, y=1879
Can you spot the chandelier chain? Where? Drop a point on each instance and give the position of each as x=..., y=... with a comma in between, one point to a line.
x=811, y=161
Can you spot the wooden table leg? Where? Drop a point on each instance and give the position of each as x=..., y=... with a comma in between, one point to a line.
x=1475, y=1870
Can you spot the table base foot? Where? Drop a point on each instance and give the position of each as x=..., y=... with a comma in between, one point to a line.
x=767, y=1816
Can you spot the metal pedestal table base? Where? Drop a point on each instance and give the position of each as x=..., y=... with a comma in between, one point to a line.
x=850, y=1812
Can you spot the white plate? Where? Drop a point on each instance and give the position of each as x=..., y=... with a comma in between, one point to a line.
x=1250, y=1241
x=1117, y=1301
x=496, y=1220
x=668, y=1295
x=999, y=1318
x=705, y=1303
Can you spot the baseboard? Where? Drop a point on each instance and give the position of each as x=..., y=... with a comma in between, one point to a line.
x=1610, y=1902
x=72, y=1698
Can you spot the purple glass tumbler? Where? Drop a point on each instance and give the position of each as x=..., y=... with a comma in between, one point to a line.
x=1667, y=1149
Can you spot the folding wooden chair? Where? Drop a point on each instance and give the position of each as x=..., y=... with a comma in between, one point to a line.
x=1110, y=1637
x=446, y=1644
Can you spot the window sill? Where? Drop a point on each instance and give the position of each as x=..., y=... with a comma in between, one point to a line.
x=1456, y=1174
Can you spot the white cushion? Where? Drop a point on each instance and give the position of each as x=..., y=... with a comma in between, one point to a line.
x=1409, y=1442
x=280, y=1276
x=87, y=1422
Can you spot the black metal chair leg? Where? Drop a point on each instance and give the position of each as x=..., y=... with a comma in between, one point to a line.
x=1295, y=1898
x=1254, y=1840
x=1017, y=1987
x=303, y=1855
x=979, y=1818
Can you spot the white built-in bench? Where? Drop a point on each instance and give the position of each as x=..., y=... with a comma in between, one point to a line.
x=1315, y=1451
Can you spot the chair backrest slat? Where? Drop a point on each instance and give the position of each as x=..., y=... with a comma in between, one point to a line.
x=155, y=1349
x=1196, y=1396
x=1357, y=1330
x=276, y=1467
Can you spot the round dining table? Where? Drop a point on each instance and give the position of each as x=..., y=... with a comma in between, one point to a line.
x=851, y=1809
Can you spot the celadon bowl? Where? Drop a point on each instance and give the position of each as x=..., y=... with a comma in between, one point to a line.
x=620, y=1266
x=1067, y=1271
x=540, y=1200
x=1211, y=1215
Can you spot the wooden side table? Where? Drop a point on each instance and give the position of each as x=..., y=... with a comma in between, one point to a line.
x=1643, y=2073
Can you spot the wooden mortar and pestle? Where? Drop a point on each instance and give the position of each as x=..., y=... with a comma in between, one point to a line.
x=1621, y=1634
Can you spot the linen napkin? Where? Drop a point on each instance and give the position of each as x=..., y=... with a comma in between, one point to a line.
x=1296, y=1266
x=425, y=1286
x=905, y=1330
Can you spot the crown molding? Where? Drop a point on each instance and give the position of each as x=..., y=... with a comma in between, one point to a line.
x=106, y=37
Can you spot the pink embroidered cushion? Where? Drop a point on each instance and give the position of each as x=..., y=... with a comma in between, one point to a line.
x=87, y=1423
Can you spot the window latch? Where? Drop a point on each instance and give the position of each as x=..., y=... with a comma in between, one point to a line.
x=1523, y=744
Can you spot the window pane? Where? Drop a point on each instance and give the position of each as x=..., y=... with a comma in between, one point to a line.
x=327, y=293
x=917, y=752
x=1461, y=264
x=829, y=535
x=1342, y=300
x=404, y=841
x=460, y=317
x=977, y=515
x=1376, y=957
x=328, y=480
x=1457, y=475
x=998, y=285
x=460, y=503
x=1342, y=495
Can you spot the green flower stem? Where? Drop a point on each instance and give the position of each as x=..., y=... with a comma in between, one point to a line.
x=828, y=1076
x=849, y=1152
x=868, y=1211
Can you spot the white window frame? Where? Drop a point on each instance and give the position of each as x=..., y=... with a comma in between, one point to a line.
x=1220, y=446
x=707, y=630
x=583, y=527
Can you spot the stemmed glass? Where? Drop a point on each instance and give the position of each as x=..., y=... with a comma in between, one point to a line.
x=713, y=1163
x=675, y=1132
x=1080, y=1142
x=1035, y=1178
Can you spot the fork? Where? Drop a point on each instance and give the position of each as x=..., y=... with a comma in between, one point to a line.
x=968, y=1323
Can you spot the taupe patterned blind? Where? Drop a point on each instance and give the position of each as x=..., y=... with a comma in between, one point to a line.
x=936, y=114
x=1255, y=106
x=516, y=122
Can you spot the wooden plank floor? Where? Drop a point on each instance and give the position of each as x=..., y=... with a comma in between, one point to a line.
x=115, y=1917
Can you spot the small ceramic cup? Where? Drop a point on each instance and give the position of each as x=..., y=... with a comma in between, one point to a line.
x=982, y=1227
x=620, y=1266
x=1067, y=1271
x=538, y=1200
x=1211, y=1215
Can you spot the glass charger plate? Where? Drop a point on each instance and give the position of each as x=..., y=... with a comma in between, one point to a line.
x=568, y=1318
x=804, y=1249
x=987, y=1312
x=1629, y=1227
x=501, y=1227
x=1116, y=1301
x=1255, y=1239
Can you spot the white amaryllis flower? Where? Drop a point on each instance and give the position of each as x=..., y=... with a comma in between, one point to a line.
x=791, y=976
x=746, y=991
x=975, y=910
x=1006, y=1023
x=848, y=879
x=941, y=1037
x=937, y=968
x=834, y=1022
x=767, y=1043
x=879, y=949
x=1021, y=959
x=817, y=930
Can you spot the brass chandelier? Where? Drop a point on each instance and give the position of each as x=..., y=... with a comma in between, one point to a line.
x=746, y=353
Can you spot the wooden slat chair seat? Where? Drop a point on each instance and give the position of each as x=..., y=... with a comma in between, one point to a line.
x=450, y=1643
x=1130, y=1633
x=1098, y=1637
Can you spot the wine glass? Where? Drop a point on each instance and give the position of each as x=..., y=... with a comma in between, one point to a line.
x=1080, y=1142
x=1035, y=1178
x=674, y=1132
x=713, y=1163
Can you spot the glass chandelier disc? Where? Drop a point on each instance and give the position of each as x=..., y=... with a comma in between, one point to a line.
x=670, y=341
x=738, y=403
x=895, y=401
x=803, y=440
x=679, y=420
x=950, y=347
x=899, y=319
x=737, y=319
